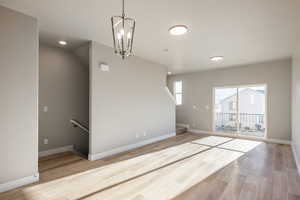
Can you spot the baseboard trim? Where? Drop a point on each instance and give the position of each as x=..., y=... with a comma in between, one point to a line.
x=57, y=150
x=296, y=157
x=128, y=147
x=271, y=140
x=278, y=141
x=183, y=125
x=18, y=183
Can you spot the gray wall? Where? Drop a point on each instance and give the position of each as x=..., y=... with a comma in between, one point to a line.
x=83, y=53
x=296, y=102
x=64, y=89
x=198, y=87
x=128, y=100
x=19, y=95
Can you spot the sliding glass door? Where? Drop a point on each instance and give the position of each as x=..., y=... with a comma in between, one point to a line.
x=226, y=109
x=240, y=110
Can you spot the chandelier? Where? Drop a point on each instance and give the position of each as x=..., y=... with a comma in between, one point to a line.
x=123, y=32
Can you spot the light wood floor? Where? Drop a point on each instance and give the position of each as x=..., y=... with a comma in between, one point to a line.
x=186, y=167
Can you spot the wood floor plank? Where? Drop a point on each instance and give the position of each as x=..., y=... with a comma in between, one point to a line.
x=280, y=190
x=293, y=182
x=293, y=197
x=234, y=188
x=265, y=189
x=199, y=191
x=278, y=159
x=55, y=157
x=60, y=163
x=250, y=188
x=289, y=157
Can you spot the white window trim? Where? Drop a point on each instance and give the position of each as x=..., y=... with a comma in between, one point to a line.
x=178, y=93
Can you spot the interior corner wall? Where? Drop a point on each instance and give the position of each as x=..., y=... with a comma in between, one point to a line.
x=19, y=96
x=64, y=90
x=198, y=91
x=296, y=106
x=127, y=102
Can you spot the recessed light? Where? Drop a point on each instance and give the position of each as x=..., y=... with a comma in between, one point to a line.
x=217, y=58
x=178, y=30
x=63, y=43
x=169, y=73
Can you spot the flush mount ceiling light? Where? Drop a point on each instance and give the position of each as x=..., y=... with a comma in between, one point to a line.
x=63, y=43
x=216, y=58
x=123, y=32
x=178, y=30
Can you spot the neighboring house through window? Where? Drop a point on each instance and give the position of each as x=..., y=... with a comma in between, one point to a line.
x=178, y=92
x=252, y=99
x=232, y=105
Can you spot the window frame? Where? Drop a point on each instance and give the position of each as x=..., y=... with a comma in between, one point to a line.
x=175, y=93
x=265, y=118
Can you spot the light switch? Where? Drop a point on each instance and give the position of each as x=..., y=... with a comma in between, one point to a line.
x=45, y=108
x=46, y=141
x=207, y=107
x=104, y=67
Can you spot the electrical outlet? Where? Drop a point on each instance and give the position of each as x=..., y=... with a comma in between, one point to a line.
x=145, y=133
x=137, y=135
x=46, y=141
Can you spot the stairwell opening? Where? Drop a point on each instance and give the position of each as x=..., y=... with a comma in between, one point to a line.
x=63, y=99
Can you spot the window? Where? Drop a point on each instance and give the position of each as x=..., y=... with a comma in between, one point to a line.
x=232, y=116
x=178, y=92
x=252, y=99
x=242, y=110
x=232, y=105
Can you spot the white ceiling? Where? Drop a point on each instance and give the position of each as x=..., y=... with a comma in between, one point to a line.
x=243, y=31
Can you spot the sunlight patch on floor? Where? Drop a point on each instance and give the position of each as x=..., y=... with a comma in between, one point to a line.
x=78, y=185
x=158, y=175
x=169, y=182
x=240, y=145
x=212, y=140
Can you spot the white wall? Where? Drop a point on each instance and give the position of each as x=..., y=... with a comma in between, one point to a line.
x=19, y=96
x=129, y=99
x=64, y=90
x=296, y=105
x=198, y=87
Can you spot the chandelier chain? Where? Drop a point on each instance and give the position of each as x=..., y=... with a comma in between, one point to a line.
x=123, y=8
